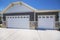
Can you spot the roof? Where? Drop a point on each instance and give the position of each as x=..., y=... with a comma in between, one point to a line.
x=33, y=9
x=47, y=11
x=21, y=3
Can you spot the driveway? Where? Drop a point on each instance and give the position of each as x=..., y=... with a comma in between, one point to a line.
x=26, y=34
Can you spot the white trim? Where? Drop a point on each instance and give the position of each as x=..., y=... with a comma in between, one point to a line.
x=47, y=11
x=29, y=6
x=6, y=8
x=25, y=5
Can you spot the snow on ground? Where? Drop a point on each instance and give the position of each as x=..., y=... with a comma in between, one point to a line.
x=25, y=34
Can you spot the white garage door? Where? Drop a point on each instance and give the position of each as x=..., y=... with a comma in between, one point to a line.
x=19, y=21
x=46, y=21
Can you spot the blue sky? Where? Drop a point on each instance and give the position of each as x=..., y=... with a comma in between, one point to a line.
x=38, y=4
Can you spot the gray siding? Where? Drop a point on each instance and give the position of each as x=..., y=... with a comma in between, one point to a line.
x=18, y=9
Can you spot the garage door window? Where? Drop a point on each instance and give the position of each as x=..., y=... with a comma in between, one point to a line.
x=47, y=16
x=51, y=16
x=43, y=17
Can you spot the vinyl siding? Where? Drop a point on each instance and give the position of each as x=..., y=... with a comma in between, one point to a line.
x=18, y=9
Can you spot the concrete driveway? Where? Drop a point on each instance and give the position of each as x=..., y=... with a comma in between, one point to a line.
x=26, y=34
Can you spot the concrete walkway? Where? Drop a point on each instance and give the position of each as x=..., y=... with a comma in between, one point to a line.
x=25, y=34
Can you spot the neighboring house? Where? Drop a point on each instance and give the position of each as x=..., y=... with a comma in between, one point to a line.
x=0, y=18
x=20, y=15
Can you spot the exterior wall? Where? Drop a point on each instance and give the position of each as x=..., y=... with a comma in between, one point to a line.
x=32, y=26
x=59, y=16
x=58, y=22
x=18, y=8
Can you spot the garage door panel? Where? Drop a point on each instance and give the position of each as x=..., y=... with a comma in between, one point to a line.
x=46, y=21
x=21, y=21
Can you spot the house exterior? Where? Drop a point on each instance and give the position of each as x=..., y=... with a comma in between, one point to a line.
x=22, y=16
